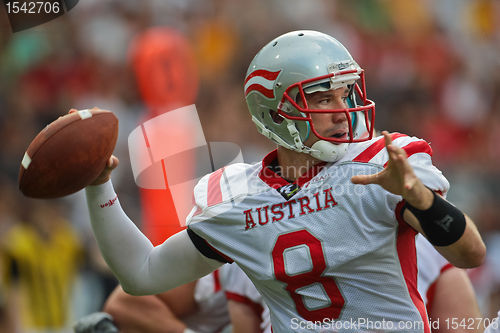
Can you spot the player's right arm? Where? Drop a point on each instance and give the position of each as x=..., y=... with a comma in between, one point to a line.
x=140, y=267
x=453, y=233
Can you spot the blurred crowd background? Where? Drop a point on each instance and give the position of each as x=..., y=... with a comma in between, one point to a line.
x=432, y=67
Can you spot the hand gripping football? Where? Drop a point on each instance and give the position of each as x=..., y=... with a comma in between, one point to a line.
x=68, y=154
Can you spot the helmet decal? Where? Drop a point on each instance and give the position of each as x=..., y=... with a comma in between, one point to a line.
x=262, y=81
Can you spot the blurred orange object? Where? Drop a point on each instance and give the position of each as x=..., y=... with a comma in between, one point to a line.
x=167, y=78
x=165, y=69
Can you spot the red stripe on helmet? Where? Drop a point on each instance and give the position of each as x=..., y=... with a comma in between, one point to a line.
x=260, y=88
x=263, y=73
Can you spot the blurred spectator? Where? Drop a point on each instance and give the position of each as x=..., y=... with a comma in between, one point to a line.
x=42, y=255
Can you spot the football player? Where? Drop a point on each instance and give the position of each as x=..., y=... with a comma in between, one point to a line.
x=325, y=226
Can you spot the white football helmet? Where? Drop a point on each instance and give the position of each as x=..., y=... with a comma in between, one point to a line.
x=299, y=63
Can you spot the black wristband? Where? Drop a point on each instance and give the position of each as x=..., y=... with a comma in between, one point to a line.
x=442, y=223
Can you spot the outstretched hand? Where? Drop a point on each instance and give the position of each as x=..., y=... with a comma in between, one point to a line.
x=111, y=164
x=398, y=177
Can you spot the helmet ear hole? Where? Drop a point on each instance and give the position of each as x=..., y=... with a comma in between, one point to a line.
x=276, y=117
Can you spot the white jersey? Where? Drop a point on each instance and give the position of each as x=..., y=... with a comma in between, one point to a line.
x=430, y=266
x=212, y=314
x=326, y=254
x=238, y=287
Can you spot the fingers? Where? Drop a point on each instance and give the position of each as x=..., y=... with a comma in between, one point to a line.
x=387, y=138
x=399, y=160
x=112, y=162
x=73, y=110
x=106, y=173
x=365, y=179
x=396, y=153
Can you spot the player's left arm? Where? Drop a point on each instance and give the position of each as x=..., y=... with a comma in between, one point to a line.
x=453, y=233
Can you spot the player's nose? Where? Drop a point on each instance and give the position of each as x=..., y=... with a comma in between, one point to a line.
x=338, y=117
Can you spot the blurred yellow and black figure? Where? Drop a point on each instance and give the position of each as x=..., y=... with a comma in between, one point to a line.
x=41, y=258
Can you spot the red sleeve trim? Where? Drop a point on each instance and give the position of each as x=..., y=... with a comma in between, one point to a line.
x=217, y=286
x=370, y=152
x=256, y=307
x=445, y=268
x=431, y=291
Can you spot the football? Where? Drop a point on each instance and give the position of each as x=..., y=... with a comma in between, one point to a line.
x=68, y=154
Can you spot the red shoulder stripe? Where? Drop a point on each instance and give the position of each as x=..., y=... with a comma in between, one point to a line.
x=370, y=152
x=214, y=193
x=416, y=147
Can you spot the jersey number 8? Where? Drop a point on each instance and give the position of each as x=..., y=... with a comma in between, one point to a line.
x=294, y=282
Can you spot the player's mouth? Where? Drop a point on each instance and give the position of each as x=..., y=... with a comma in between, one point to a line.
x=341, y=134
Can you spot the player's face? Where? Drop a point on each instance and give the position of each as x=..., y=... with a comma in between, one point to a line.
x=328, y=124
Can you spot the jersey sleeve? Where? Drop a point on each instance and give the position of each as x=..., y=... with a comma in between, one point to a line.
x=215, y=196
x=419, y=154
x=206, y=249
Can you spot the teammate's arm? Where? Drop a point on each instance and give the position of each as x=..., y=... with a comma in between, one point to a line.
x=141, y=268
x=464, y=248
x=454, y=297
x=244, y=319
x=152, y=313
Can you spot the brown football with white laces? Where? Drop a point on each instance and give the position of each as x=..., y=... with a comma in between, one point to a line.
x=68, y=154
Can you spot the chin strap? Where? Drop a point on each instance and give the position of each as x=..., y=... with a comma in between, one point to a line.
x=322, y=150
x=327, y=151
